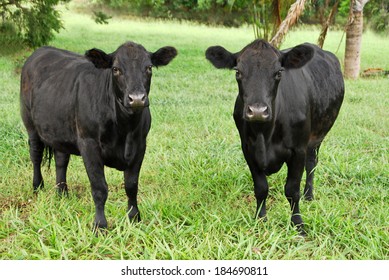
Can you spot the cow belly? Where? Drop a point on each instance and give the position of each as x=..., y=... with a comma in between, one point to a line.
x=61, y=142
x=65, y=147
x=58, y=137
x=115, y=163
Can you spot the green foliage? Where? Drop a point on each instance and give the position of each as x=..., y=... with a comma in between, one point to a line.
x=225, y=12
x=9, y=38
x=380, y=21
x=344, y=8
x=375, y=12
x=258, y=13
x=378, y=14
x=263, y=15
x=35, y=20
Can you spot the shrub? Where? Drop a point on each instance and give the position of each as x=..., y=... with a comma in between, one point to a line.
x=35, y=20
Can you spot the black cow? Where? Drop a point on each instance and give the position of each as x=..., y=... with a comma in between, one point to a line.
x=95, y=106
x=288, y=101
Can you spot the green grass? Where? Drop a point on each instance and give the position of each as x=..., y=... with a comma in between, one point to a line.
x=196, y=195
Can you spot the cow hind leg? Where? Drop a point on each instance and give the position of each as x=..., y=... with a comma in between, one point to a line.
x=61, y=165
x=36, y=155
x=310, y=165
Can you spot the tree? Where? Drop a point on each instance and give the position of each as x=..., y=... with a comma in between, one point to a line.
x=35, y=20
x=293, y=14
x=265, y=16
x=326, y=25
x=352, y=60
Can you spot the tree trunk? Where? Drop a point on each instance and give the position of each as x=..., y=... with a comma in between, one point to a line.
x=326, y=25
x=291, y=18
x=354, y=30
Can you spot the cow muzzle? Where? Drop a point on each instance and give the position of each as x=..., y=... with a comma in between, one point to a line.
x=137, y=100
x=257, y=113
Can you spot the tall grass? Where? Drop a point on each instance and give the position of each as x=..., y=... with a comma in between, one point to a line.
x=196, y=195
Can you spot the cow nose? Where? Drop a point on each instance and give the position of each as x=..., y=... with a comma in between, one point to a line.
x=257, y=113
x=137, y=100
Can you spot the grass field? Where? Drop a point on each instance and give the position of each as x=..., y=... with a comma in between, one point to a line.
x=196, y=195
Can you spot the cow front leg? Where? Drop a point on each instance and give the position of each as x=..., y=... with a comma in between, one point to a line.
x=292, y=189
x=91, y=155
x=61, y=165
x=261, y=190
x=134, y=153
x=261, y=187
x=131, y=179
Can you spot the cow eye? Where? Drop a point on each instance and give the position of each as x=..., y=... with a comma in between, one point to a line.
x=238, y=74
x=278, y=74
x=116, y=71
x=149, y=69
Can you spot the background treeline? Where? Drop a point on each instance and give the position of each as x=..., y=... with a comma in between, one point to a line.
x=35, y=22
x=238, y=12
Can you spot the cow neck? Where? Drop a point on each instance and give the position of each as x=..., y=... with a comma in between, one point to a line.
x=259, y=136
x=126, y=121
x=262, y=131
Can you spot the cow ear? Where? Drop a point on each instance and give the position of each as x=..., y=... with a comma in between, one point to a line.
x=220, y=57
x=99, y=58
x=297, y=57
x=163, y=56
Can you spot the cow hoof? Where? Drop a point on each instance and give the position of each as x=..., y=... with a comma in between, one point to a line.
x=100, y=228
x=100, y=231
x=301, y=231
x=134, y=218
x=38, y=187
x=62, y=190
x=133, y=214
x=262, y=219
x=308, y=197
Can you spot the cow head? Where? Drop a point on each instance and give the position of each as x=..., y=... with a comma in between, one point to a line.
x=131, y=69
x=259, y=68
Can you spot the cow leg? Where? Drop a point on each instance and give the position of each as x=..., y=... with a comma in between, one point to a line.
x=292, y=188
x=261, y=187
x=61, y=165
x=310, y=164
x=95, y=169
x=36, y=155
x=131, y=179
x=261, y=190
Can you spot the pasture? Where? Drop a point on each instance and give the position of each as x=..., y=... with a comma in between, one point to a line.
x=195, y=194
